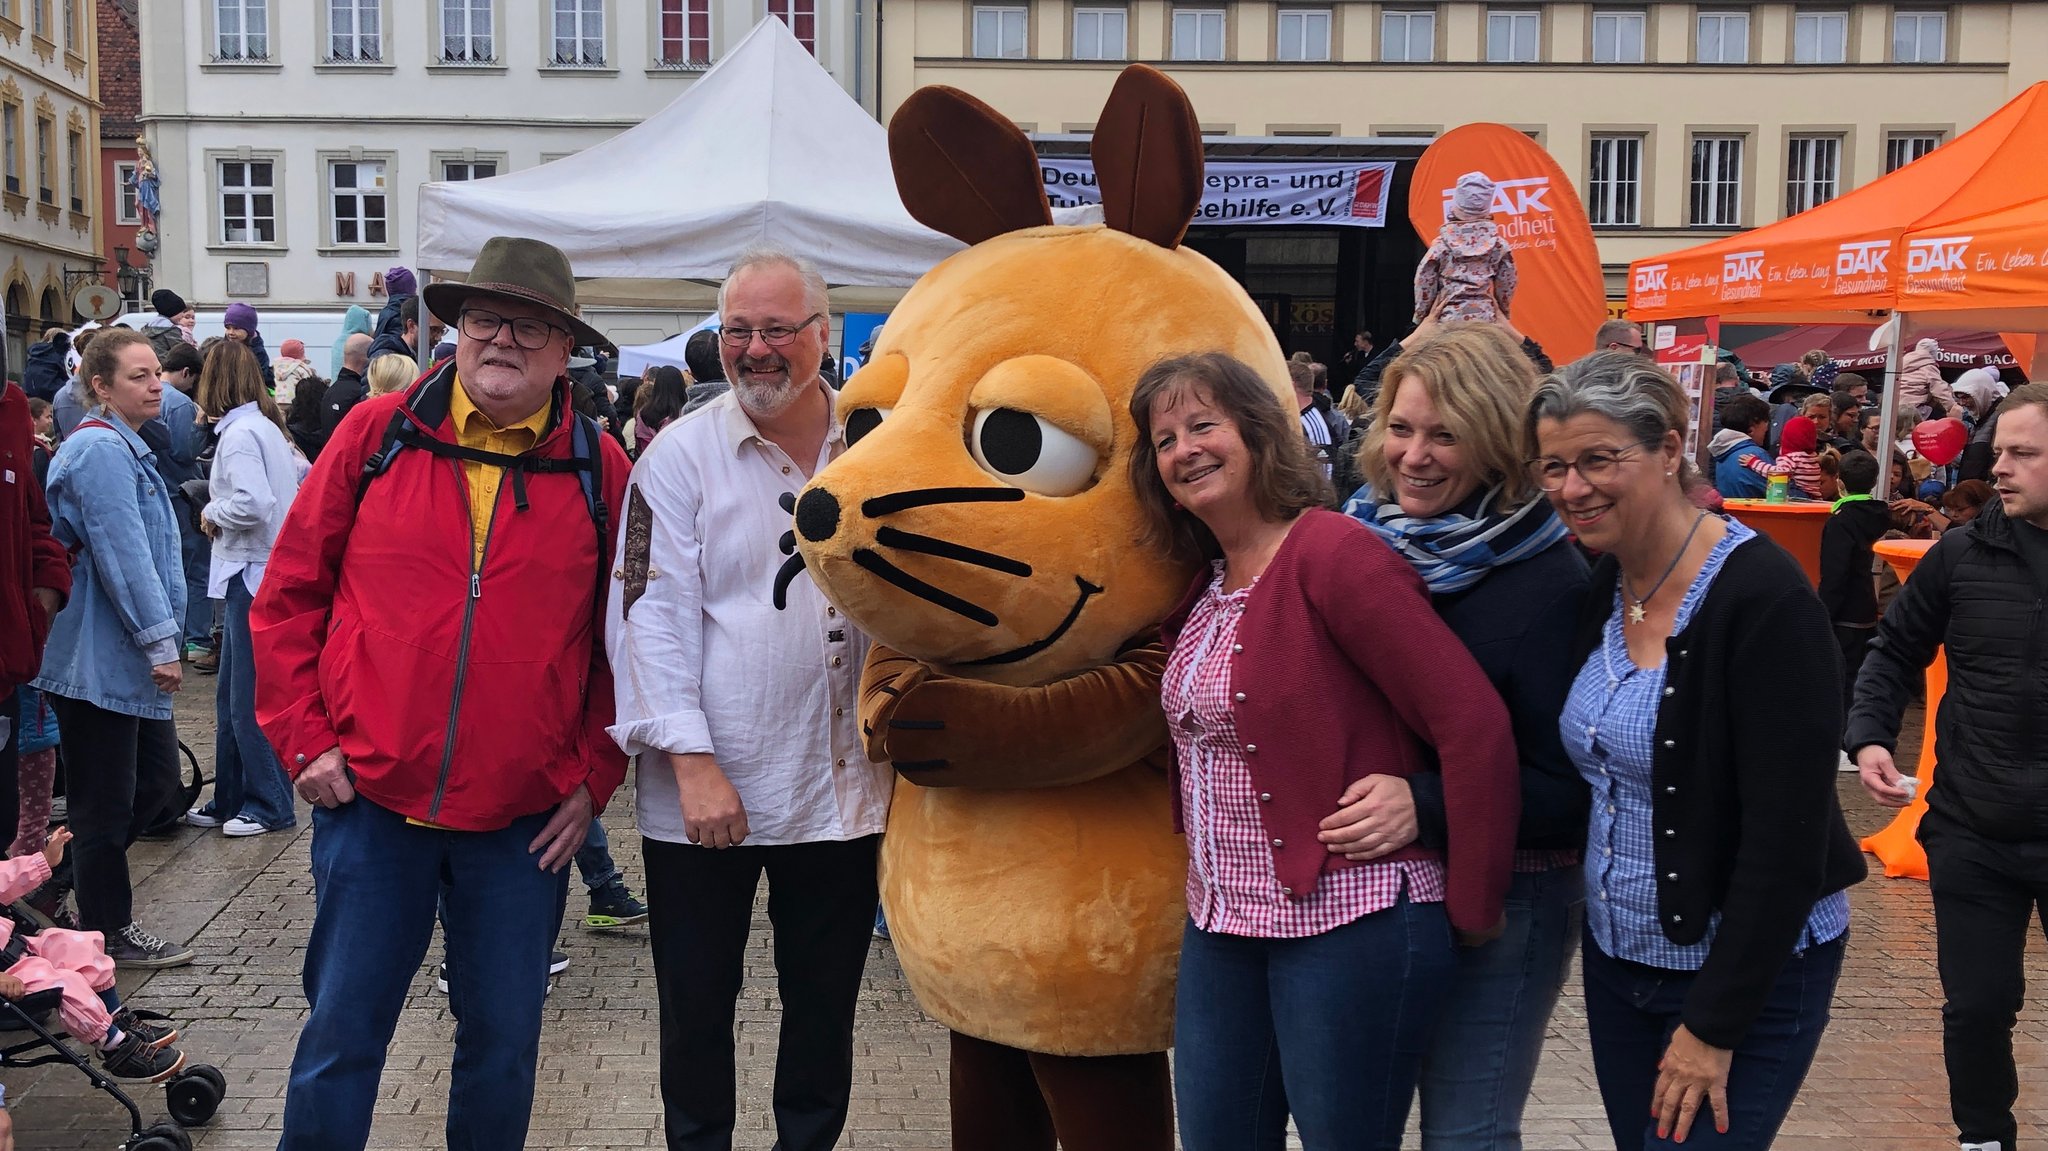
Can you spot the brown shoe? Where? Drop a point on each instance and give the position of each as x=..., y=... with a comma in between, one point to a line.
x=206, y=663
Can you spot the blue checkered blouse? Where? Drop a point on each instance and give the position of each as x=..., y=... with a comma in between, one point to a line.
x=1609, y=724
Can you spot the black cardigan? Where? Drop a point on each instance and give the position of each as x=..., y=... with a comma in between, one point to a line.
x=1744, y=810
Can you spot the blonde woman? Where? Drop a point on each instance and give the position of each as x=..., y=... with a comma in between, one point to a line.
x=255, y=476
x=392, y=373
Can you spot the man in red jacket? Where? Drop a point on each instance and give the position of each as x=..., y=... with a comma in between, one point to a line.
x=430, y=666
x=35, y=579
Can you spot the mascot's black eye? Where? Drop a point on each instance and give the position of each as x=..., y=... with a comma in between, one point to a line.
x=861, y=421
x=1029, y=452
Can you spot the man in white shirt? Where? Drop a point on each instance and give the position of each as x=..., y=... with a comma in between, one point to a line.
x=744, y=719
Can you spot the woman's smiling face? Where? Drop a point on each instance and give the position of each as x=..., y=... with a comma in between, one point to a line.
x=1430, y=471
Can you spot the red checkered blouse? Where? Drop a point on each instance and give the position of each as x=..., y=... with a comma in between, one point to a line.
x=1232, y=887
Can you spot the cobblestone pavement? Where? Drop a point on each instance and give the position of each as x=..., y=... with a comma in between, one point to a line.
x=247, y=906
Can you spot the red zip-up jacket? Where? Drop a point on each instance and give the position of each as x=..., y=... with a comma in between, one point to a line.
x=464, y=695
x=30, y=557
x=1343, y=669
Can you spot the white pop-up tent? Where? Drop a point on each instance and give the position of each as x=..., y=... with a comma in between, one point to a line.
x=764, y=148
x=634, y=360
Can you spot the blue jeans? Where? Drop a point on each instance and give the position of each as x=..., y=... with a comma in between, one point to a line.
x=376, y=879
x=594, y=859
x=1482, y=1061
x=197, y=553
x=1631, y=1011
x=1331, y=1027
x=247, y=779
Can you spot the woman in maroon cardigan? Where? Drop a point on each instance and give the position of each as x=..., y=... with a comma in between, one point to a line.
x=1307, y=663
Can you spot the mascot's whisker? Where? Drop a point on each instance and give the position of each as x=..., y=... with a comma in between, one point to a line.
x=925, y=497
x=791, y=568
x=872, y=562
x=890, y=537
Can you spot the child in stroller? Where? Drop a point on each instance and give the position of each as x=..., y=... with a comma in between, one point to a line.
x=133, y=1047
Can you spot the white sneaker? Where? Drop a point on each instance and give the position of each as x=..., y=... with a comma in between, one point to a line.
x=1993, y=1145
x=239, y=828
x=198, y=817
x=1845, y=764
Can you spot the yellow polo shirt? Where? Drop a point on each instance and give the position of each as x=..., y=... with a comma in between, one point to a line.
x=474, y=430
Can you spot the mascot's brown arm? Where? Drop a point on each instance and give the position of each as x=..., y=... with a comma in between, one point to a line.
x=945, y=731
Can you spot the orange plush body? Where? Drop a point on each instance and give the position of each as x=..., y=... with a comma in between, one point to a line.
x=982, y=529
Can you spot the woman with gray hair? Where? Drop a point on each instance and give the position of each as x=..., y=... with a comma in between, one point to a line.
x=1716, y=859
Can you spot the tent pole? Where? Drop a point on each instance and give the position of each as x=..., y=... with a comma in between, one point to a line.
x=1888, y=409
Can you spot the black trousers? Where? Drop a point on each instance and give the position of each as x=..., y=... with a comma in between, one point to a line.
x=1986, y=895
x=821, y=906
x=122, y=771
x=1855, y=644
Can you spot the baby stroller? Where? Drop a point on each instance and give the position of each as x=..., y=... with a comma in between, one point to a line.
x=191, y=1096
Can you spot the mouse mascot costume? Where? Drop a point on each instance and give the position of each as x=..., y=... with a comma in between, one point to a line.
x=982, y=528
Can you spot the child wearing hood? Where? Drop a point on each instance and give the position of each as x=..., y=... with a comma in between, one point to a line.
x=1468, y=263
x=240, y=323
x=1797, y=456
x=1921, y=387
x=357, y=319
x=399, y=286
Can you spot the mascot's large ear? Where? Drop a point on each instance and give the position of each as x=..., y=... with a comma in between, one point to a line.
x=1148, y=157
x=963, y=169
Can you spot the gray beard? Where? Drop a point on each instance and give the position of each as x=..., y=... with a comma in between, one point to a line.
x=767, y=399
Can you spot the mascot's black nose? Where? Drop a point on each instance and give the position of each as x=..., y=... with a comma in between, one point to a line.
x=817, y=515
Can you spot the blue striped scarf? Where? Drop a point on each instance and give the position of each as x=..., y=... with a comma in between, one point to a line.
x=1455, y=550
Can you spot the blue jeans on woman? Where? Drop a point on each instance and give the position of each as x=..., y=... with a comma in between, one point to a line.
x=1632, y=1010
x=1331, y=1027
x=247, y=779
x=1482, y=1060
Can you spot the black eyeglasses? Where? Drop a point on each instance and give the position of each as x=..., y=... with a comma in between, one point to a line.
x=1642, y=350
x=775, y=337
x=528, y=333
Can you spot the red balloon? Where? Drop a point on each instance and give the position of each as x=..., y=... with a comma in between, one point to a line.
x=1940, y=441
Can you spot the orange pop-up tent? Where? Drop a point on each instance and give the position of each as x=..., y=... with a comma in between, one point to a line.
x=1847, y=258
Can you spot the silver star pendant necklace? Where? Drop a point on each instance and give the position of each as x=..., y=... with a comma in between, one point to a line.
x=1636, y=612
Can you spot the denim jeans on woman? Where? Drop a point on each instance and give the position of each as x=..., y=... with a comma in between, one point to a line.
x=1330, y=1027
x=1632, y=1011
x=1482, y=1060
x=248, y=781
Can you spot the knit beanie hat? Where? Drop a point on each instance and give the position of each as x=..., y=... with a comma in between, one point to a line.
x=167, y=303
x=240, y=315
x=292, y=349
x=1799, y=436
x=399, y=282
x=1824, y=376
x=1473, y=197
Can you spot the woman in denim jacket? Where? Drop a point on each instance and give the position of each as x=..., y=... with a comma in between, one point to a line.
x=112, y=660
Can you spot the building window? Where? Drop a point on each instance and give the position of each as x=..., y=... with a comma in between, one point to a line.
x=1512, y=36
x=1716, y=181
x=1919, y=37
x=74, y=168
x=355, y=31
x=1304, y=34
x=125, y=208
x=356, y=189
x=1198, y=33
x=71, y=40
x=579, y=34
x=1723, y=38
x=248, y=202
x=1820, y=38
x=466, y=32
x=685, y=33
x=39, y=19
x=468, y=169
x=241, y=29
x=10, y=146
x=1618, y=37
x=802, y=18
x=1614, y=184
x=1813, y=172
x=1099, y=33
x=1408, y=35
x=999, y=32
x=1902, y=148
x=46, y=186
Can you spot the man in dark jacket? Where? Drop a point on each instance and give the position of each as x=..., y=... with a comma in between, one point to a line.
x=1979, y=591
x=347, y=390
x=35, y=579
x=43, y=374
x=403, y=337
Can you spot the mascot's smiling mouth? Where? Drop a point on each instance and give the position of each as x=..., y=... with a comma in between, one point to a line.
x=1031, y=649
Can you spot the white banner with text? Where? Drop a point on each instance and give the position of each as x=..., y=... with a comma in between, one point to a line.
x=1302, y=193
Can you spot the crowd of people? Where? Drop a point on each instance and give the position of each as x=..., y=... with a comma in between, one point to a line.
x=1534, y=741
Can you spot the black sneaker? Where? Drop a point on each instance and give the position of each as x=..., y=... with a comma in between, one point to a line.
x=613, y=906
x=155, y=1030
x=558, y=962
x=133, y=1060
x=134, y=948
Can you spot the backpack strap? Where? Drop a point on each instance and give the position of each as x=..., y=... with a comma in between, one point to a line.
x=380, y=460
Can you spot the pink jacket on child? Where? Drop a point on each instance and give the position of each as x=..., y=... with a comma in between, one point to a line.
x=75, y=961
x=1470, y=263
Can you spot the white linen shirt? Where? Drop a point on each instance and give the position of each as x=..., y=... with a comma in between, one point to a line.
x=705, y=663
